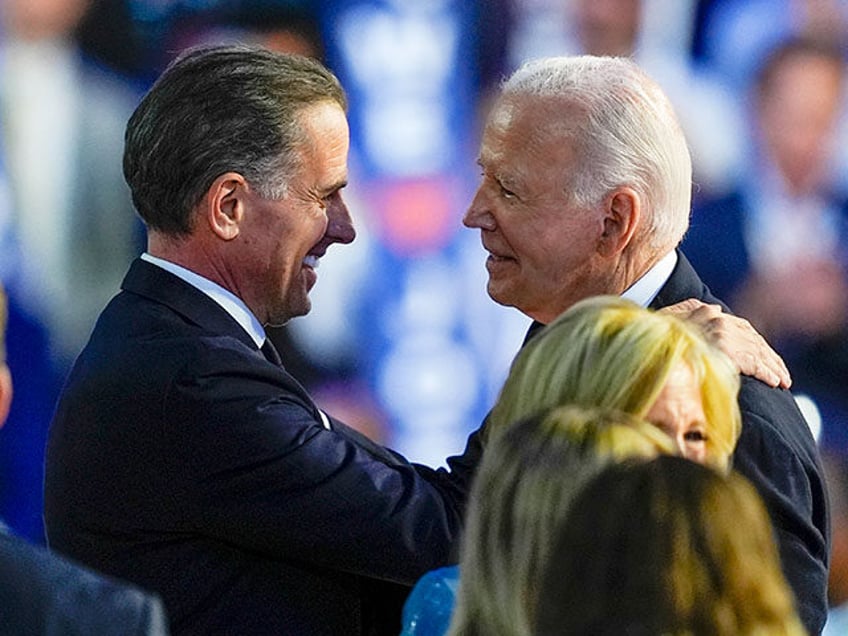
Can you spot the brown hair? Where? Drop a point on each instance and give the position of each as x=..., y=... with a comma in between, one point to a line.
x=666, y=547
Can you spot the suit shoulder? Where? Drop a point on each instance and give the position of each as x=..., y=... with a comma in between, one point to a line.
x=773, y=416
x=42, y=590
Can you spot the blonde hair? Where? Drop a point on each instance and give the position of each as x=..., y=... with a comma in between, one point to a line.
x=666, y=547
x=523, y=489
x=608, y=351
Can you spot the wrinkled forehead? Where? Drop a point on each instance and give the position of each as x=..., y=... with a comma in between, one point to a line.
x=533, y=119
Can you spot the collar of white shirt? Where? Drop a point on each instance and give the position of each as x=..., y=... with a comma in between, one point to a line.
x=231, y=303
x=644, y=290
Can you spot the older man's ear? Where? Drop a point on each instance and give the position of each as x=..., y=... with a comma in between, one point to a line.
x=623, y=211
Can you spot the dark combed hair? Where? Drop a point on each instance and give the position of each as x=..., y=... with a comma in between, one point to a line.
x=216, y=110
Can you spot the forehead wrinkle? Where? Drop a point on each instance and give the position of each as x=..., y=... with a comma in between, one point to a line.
x=510, y=174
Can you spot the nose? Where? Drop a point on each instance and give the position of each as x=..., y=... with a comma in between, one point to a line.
x=339, y=222
x=478, y=214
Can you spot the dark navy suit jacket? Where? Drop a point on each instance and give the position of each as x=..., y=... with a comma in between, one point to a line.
x=181, y=459
x=777, y=452
x=42, y=594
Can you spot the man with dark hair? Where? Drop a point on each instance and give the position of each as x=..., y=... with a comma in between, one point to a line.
x=183, y=456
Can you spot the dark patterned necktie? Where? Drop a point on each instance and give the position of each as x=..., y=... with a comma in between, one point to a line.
x=270, y=353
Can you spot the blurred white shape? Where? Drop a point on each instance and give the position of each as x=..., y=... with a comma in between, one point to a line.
x=810, y=410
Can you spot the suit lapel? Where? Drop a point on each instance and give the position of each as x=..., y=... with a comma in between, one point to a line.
x=158, y=285
x=684, y=283
x=154, y=283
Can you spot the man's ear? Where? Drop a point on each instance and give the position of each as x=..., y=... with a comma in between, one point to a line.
x=225, y=202
x=622, y=214
x=5, y=392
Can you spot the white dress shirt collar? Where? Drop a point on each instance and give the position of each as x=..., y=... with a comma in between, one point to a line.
x=644, y=290
x=231, y=303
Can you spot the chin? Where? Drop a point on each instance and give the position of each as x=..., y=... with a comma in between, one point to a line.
x=282, y=315
x=500, y=295
x=300, y=308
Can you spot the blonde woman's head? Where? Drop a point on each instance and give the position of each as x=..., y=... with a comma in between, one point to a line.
x=524, y=487
x=607, y=351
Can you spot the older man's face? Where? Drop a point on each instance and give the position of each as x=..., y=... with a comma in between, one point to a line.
x=542, y=248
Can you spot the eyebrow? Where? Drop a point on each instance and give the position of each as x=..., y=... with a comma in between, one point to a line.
x=331, y=189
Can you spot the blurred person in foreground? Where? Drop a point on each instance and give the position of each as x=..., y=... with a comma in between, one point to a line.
x=586, y=189
x=183, y=456
x=42, y=594
x=665, y=547
x=604, y=352
x=836, y=469
x=524, y=489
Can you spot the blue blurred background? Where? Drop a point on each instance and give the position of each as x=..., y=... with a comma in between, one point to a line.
x=402, y=341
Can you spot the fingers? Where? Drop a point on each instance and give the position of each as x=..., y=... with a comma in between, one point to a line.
x=772, y=366
x=748, y=350
x=686, y=308
x=738, y=339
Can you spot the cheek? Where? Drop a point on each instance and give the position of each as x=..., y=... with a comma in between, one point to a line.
x=295, y=238
x=695, y=452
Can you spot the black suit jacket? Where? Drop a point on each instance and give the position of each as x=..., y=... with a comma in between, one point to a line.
x=42, y=594
x=778, y=454
x=179, y=458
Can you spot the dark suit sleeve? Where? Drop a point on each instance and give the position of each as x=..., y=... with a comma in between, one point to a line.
x=260, y=471
x=776, y=452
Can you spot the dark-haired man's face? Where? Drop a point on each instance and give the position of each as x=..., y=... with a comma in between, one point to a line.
x=283, y=239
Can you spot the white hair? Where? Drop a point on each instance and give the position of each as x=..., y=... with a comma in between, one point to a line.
x=627, y=134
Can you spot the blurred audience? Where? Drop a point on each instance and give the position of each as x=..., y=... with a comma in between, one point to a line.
x=733, y=36
x=656, y=548
x=23, y=437
x=657, y=35
x=287, y=27
x=68, y=227
x=777, y=246
x=62, y=131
